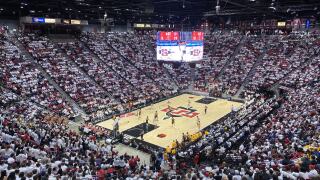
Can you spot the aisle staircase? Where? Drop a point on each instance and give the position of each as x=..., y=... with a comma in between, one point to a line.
x=193, y=77
x=235, y=53
x=170, y=76
x=252, y=70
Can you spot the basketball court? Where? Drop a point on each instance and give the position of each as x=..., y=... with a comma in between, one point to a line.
x=183, y=108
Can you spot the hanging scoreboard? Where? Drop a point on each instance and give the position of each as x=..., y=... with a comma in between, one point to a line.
x=180, y=46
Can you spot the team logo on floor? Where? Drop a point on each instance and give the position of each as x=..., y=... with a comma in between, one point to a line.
x=180, y=112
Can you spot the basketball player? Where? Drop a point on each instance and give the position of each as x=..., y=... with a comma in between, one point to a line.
x=198, y=122
x=173, y=121
x=139, y=113
x=205, y=109
x=147, y=123
x=155, y=117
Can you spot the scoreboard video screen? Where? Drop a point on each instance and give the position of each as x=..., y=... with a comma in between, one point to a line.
x=179, y=46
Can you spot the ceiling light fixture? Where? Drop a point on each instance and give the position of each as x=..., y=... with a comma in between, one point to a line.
x=105, y=15
x=217, y=7
x=272, y=5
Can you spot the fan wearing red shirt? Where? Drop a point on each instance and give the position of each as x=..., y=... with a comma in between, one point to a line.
x=196, y=159
x=101, y=174
x=25, y=137
x=133, y=163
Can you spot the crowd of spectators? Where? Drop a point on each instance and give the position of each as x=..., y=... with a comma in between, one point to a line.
x=100, y=72
x=237, y=70
x=301, y=76
x=7, y=97
x=67, y=75
x=285, y=53
x=21, y=76
x=38, y=145
x=219, y=48
x=180, y=73
x=119, y=88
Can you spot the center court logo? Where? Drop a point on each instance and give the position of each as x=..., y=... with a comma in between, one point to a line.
x=180, y=112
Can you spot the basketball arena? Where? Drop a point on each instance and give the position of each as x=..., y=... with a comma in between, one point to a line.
x=160, y=89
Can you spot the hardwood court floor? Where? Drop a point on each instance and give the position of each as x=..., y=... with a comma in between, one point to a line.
x=185, y=120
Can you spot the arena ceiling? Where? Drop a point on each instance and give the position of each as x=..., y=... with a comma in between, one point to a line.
x=158, y=11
